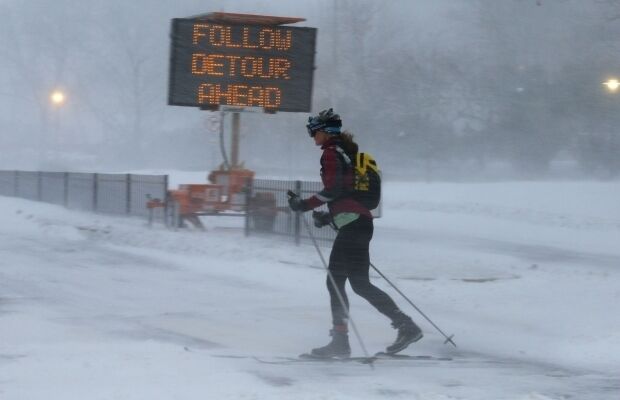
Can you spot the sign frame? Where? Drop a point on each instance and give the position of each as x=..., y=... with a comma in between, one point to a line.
x=306, y=83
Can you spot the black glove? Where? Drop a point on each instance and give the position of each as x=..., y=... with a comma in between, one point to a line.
x=321, y=218
x=295, y=202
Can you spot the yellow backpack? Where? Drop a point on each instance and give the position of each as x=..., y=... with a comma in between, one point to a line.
x=367, y=186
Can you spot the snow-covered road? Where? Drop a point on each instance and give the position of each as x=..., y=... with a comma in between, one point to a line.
x=97, y=307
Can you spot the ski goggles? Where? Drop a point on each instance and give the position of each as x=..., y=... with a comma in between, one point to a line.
x=313, y=127
x=312, y=132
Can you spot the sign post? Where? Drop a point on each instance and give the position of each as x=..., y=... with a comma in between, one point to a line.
x=234, y=150
x=240, y=61
x=237, y=63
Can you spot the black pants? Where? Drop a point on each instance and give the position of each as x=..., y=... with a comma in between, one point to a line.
x=350, y=260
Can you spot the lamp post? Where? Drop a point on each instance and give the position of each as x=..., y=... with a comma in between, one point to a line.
x=57, y=100
x=612, y=84
x=611, y=138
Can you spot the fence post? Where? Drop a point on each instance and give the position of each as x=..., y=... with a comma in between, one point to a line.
x=176, y=217
x=298, y=216
x=95, y=191
x=165, y=200
x=248, y=206
x=66, y=190
x=128, y=182
x=39, y=186
x=16, y=184
x=150, y=220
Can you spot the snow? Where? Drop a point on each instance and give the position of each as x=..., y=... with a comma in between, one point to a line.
x=526, y=275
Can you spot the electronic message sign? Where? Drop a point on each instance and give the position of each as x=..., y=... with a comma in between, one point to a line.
x=266, y=66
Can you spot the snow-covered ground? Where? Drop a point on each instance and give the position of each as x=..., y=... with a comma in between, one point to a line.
x=526, y=275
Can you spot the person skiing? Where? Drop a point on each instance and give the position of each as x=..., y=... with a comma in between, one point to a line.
x=349, y=258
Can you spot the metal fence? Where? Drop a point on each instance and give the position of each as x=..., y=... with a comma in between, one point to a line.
x=267, y=209
x=117, y=194
x=269, y=212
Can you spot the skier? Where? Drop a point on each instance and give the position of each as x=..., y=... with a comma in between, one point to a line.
x=349, y=258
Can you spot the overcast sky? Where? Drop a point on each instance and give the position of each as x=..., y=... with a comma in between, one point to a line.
x=397, y=70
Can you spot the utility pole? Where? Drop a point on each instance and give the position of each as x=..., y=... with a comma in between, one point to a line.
x=335, y=47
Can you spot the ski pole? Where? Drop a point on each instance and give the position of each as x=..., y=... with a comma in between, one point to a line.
x=448, y=338
x=340, y=298
x=338, y=294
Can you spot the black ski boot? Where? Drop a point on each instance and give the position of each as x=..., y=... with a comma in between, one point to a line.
x=408, y=332
x=338, y=347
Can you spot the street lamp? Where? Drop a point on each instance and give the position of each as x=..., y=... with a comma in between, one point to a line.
x=57, y=97
x=612, y=84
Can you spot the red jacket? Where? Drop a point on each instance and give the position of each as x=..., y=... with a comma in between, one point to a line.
x=337, y=176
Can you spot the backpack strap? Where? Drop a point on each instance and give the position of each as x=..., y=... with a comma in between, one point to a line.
x=359, y=164
x=365, y=161
x=344, y=155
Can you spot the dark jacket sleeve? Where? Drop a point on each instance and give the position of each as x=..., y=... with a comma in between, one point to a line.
x=332, y=175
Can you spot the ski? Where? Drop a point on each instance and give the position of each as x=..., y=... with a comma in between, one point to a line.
x=378, y=356
x=313, y=358
x=309, y=358
x=387, y=356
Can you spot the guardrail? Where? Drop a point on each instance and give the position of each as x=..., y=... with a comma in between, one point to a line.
x=116, y=194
